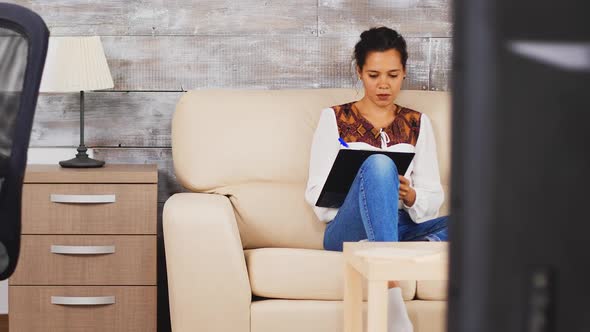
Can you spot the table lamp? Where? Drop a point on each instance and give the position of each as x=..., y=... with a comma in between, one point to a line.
x=76, y=64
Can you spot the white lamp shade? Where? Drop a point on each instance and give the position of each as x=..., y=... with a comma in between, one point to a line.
x=75, y=64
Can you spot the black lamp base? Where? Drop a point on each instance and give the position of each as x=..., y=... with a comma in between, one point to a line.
x=82, y=160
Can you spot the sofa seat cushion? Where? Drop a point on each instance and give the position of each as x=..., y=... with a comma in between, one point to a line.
x=327, y=316
x=434, y=290
x=302, y=274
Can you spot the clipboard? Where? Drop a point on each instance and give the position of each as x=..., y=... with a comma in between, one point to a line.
x=344, y=170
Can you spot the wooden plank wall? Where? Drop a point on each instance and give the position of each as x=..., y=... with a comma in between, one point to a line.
x=156, y=49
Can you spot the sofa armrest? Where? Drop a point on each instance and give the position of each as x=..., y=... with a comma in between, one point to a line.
x=208, y=280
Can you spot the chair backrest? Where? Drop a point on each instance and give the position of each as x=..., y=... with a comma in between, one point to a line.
x=23, y=47
x=253, y=146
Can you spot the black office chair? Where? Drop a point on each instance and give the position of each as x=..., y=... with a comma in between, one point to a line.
x=23, y=47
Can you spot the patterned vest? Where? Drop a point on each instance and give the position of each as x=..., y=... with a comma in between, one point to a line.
x=353, y=127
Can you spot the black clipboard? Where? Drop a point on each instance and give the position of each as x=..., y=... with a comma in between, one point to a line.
x=344, y=170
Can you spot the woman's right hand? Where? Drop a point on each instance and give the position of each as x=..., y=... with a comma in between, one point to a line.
x=406, y=193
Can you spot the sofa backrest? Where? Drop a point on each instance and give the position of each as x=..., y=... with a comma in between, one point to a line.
x=253, y=146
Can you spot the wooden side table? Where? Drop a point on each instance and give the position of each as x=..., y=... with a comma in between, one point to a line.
x=380, y=262
x=88, y=250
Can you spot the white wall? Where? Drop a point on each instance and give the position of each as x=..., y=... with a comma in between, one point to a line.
x=39, y=156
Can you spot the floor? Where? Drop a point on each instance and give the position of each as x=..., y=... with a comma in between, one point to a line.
x=3, y=323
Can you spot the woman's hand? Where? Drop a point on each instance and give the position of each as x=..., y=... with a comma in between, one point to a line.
x=406, y=193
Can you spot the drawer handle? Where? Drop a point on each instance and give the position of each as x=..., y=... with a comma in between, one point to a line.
x=72, y=300
x=82, y=250
x=83, y=199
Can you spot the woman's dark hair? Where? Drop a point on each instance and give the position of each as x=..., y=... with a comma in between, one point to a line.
x=379, y=40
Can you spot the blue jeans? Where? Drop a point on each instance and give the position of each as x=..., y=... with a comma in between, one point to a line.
x=370, y=211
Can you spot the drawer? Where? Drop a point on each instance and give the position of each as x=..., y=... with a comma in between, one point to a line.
x=86, y=260
x=82, y=308
x=81, y=208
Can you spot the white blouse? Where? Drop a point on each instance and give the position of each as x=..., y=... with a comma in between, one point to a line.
x=422, y=172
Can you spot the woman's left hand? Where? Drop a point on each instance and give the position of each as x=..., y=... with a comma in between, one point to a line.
x=406, y=193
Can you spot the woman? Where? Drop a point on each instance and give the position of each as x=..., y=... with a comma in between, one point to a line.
x=381, y=204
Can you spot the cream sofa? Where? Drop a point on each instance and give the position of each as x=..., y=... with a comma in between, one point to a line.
x=243, y=248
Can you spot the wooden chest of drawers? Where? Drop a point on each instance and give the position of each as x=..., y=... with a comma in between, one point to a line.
x=88, y=250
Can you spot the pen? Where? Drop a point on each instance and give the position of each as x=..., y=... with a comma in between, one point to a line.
x=342, y=142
